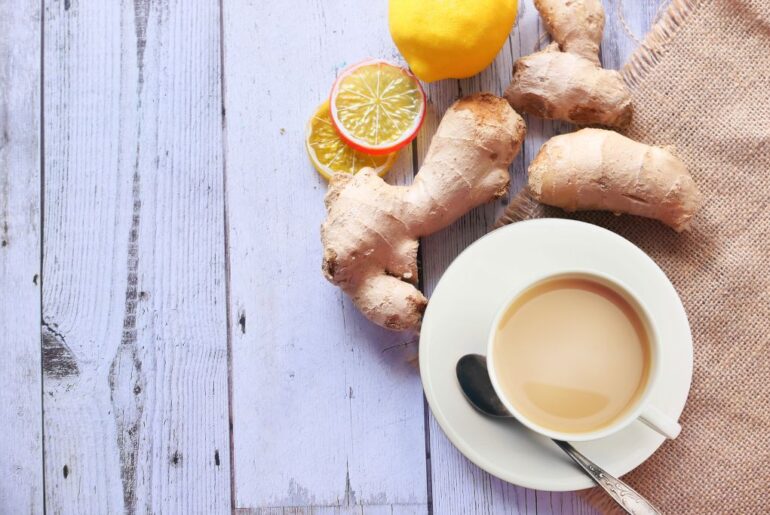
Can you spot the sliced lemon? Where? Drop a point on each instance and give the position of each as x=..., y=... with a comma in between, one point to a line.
x=330, y=155
x=377, y=107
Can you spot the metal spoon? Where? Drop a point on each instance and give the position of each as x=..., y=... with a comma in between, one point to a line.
x=477, y=387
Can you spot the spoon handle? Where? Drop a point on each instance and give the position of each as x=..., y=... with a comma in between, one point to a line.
x=628, y=498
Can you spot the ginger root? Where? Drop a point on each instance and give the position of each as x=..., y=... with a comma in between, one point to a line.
x=370, y=235
x=565, y=81
x=595, y=169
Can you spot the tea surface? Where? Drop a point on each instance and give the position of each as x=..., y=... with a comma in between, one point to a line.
x=572, y=355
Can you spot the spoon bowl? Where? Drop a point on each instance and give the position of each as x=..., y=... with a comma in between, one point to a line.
x=477, y=387
x=473, y=376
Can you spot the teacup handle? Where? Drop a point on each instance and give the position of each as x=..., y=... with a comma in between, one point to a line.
x=660, y=422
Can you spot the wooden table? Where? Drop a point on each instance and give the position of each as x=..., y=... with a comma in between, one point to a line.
x=169, y=344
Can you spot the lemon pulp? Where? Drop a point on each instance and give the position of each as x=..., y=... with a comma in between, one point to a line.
x=378, y=104
x=329, y=154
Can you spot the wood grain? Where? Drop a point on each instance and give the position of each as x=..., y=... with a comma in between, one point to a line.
x=458, y=486
x=327, y=410
x=135, y=358
x=174, y=218
x=21, y=462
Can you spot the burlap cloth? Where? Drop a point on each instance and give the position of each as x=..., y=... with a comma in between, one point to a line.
x=701, y=82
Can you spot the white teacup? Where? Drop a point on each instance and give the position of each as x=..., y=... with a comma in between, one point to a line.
x=642, y=409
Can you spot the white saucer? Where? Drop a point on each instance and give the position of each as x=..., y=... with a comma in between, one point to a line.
x=458, y=319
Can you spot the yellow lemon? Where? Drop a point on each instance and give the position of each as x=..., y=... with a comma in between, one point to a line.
x=443, y=39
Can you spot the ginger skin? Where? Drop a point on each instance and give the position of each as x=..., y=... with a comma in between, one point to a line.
x=595, y=169
x=370, y=236
x=565, y=81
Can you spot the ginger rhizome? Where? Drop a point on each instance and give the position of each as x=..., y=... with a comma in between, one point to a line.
x=370, y=235
x=565, y=81
x=595, y=169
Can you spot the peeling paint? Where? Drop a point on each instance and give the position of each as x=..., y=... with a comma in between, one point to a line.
x=350, y=494
x=298, y=494
x=141, y=17
x=58, y=360
x=126, y=367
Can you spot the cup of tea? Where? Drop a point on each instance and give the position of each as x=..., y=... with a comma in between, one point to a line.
x=575, y=355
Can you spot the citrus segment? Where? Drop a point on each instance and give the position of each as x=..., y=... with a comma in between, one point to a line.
x=329, y=154
x=377, y=107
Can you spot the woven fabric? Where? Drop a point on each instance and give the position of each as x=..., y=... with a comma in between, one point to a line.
x=701, y=82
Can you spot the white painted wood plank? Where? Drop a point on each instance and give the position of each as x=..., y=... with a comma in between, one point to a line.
x=619, y=42
x=135, y=369
x=458, y=486
x=327, y=409
x=21, y=462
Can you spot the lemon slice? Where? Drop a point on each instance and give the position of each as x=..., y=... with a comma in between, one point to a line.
x=330, y=155
x=377, y=107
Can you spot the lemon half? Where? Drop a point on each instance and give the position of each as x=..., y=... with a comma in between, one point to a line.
x=377, y=107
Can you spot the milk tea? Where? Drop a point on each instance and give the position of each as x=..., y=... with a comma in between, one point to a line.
x=572, y=355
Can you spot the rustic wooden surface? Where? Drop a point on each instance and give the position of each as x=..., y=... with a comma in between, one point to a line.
x=21, y=459
x=135, y=403
x=170, y=345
